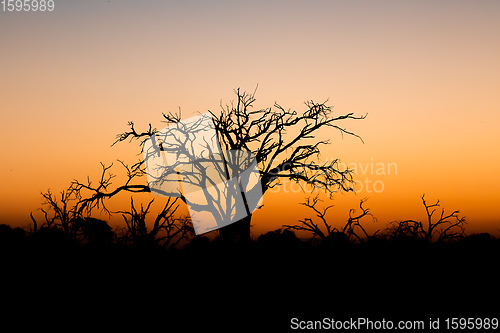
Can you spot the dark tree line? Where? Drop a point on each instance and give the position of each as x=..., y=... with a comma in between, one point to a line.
x=439, y=228
x=170, y=229
x=285, y=147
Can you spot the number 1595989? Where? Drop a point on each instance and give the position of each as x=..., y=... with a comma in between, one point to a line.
x=27, y=5
x=471, y=323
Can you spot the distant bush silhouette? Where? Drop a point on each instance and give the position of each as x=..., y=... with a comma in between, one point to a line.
x=279, y=238
x=95, y=231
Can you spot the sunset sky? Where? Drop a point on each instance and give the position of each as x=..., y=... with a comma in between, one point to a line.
x=427, y=73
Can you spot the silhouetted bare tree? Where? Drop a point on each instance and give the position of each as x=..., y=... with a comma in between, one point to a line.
x=59, y=212
x=352, y=230
x=445, y=228
x=71, y=212
x=283, y=142
x=168, y=229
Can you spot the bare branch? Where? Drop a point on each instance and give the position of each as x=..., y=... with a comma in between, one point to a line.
x=133, y=134
x=350, y=229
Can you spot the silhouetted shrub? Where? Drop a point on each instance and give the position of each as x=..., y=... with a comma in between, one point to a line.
x=279, y=238
x=95, y=231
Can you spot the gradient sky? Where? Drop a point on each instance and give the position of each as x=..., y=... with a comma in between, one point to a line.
x=427, y=73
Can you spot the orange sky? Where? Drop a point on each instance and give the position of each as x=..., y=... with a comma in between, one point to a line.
x=427, y=73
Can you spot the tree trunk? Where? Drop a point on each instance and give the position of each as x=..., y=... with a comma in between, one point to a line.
x=237, y=232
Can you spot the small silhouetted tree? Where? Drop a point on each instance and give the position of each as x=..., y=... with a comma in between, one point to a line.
x=59, y=212
x=438, y=228
x=282, y=140
x=352, y=229
x=168, y=228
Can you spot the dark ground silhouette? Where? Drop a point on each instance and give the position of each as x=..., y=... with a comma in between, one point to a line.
x=52, y=281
